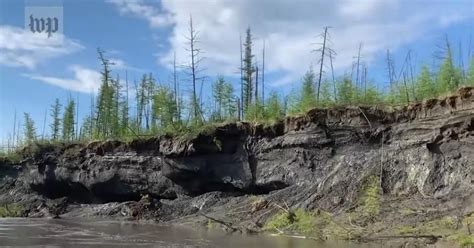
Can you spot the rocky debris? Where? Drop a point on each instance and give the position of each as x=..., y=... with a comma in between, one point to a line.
x=316, y=161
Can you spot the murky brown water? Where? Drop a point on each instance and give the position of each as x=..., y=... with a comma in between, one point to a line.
x=80, y=233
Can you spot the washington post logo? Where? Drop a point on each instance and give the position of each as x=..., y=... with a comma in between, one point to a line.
x=46, y=21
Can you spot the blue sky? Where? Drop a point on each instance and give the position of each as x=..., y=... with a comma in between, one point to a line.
x=142, y=36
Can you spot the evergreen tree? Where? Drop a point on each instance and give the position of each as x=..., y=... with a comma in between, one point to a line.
x=424, y=85
x=68, y=121
x=371, y=96
x=86, y=128
x=30, y=130
x=326, y=98
x=248, y=71
x=229, y=102
x=224, y=100
x=105, y=100
x=56, y=124
x=115, y=108
x=448, y=77
x=470, y=73
x=255, y=112
x=149, y=93
x=141, y=100
x=346, y=92
x=274, y=107
x=124, y=111
x=307, y=97
x=124, y=118
x=163, y=108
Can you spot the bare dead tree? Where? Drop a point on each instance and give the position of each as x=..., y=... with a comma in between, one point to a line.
x=403, y=72
x=390, y=69
x=200, y=100
x=324, y=50
x=263, y=74
x=176, y=89
x=14, y=128
x=406, y=86
x=18, y=133
x=137, y=104
x=469, y=48
x=365, y=80
x=461, y=62
x=77, y=118
x=193, y=67
x=92, y=106
x=126, y=99
x=358, y=83
x=331, y=54
x=412, y=75
x=44, y=124
x=241, y=110
x=256, y=85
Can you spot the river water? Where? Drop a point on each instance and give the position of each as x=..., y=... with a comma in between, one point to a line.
x=81, y=233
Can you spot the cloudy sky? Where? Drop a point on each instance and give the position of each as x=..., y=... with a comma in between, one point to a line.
x=143, y=35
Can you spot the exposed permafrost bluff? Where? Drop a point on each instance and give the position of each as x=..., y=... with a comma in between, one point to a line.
x=361, y=173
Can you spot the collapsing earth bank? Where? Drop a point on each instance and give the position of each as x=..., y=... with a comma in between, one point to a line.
x=347, y=172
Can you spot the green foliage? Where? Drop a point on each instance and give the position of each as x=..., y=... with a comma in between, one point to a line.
x=326, y=98
x=9, y=157
x=274, y=108
x=248, y=70
x=371, y=96
x=299, y=221
x=86, y=128
x=255, y=112
x=159, y=109
x=56, y=123
x=424, y=85
x=447, y=227
x=463, y=240
x=371, y=197
x=402, y=230
x=11, y=210
x=306, y=99
x=346, y=92
x=398, y=95
x=224, y=100
x=68, y=121
x=107, y=116
x=319, y=224
x=30, y=130
x=449, y=77
x=470, y=73
x=164, y=108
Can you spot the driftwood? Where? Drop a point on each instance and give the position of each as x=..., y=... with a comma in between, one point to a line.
x=228, y=225
x=434, y=238
x=283, y=234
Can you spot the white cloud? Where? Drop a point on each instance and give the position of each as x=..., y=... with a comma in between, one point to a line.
x=139, y=8
x=119, y=64
x=290, y=27
x=84, y=80
x=21, y=48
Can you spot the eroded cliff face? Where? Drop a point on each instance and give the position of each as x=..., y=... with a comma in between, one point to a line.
x=422, y=153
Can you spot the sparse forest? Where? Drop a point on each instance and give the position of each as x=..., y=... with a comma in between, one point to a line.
x=124, y=111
